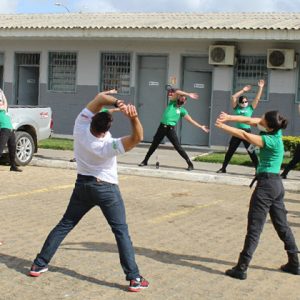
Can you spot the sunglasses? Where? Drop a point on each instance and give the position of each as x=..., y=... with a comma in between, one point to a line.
x=245, y=101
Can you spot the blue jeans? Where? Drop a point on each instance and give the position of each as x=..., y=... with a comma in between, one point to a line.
x=90, y=192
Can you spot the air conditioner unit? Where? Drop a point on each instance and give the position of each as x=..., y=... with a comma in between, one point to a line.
x=221, y=55
x=281, y=59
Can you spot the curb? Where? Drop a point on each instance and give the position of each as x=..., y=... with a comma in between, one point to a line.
x=168, y=174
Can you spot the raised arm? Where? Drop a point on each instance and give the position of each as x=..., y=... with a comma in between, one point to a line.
x=249, y=137
x=235, y=97
x=194, y=96
x=101, y=99
x=223, y=117
x=136, y=136
x=255, y=101
x=195, y=123
x=112, y=110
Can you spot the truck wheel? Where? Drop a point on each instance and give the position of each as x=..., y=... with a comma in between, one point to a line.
x=25, y=148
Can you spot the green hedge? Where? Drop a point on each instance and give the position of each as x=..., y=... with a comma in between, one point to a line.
x=290, y=143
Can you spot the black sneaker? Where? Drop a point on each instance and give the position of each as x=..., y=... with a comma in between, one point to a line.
x=15, y=169
x=138, y=284
x=288, y=268
x=236, y=273
x=143, y=163
x=221, y=170
x=190, y=168
x=36, y=271
x=283, y=176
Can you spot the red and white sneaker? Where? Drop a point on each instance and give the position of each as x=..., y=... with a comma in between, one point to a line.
x=138, y=284
x=36, y=271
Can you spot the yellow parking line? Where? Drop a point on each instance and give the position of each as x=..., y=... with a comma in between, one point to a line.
x=185, y=211
x=38, y=191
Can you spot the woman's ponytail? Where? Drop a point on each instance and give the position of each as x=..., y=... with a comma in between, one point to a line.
x=275, y=121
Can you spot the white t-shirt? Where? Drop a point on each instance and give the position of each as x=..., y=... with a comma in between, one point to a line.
x=95, y=156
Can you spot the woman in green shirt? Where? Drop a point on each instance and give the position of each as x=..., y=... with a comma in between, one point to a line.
x=7, y=135
x=269, y=192
x=241, y=107
x=167, y=127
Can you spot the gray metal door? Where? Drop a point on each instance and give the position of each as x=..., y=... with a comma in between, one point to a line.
x=151, y=95
x=28, y=85
x=199, y=110
x=1, y=77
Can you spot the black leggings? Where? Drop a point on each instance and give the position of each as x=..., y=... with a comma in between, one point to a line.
x=293, y=162
x=7, y=136
x=170, y=133
x=233, y=145
x=267, y=198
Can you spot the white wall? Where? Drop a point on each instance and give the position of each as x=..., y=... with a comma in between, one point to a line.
x=89, y=55
x=222, y=78
x=89, y=59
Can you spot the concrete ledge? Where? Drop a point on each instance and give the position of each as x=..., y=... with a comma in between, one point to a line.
x=169, y=174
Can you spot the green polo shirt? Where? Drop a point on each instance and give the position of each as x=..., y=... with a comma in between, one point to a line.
x=245, y=112
x=5, y=121
x=104, y=109
x=172, y=114
x=271, y=154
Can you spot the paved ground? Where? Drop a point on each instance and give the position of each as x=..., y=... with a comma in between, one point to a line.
x=186, y=233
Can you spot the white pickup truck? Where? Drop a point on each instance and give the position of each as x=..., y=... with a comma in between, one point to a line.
x=32, y=124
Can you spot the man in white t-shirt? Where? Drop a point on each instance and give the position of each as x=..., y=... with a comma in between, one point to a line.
x=97, y=183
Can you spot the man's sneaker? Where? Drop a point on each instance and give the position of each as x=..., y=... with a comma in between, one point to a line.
x=138, y=284
x=221, y=170
x=36, y=271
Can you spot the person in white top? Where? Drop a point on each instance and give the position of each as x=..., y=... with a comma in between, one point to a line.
x=97, y=183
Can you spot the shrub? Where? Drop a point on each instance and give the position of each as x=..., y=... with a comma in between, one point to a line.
x=290, y=143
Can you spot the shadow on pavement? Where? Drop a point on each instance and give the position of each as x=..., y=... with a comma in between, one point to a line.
x=161, y=256
x=22, y=266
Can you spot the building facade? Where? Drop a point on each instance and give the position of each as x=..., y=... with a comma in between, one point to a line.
x=64, y=60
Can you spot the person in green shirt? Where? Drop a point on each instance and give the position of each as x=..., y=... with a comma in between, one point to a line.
x=172, y=114
x=268, y=196
x=241, y=107
x=7, y=134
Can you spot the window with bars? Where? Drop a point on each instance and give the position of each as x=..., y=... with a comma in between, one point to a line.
x=62, y=71
x=248, y=70
x=115, y=72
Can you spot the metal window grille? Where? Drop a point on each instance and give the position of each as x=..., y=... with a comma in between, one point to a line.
x=248, y=70
x=62, y=71
x=116, y=72
x=28, y=59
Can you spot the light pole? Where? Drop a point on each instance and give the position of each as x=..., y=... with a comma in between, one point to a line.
x=60, y=4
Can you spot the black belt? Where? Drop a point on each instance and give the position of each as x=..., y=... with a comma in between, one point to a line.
x=263, y=175
x=91, y=178
x=166, y=126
